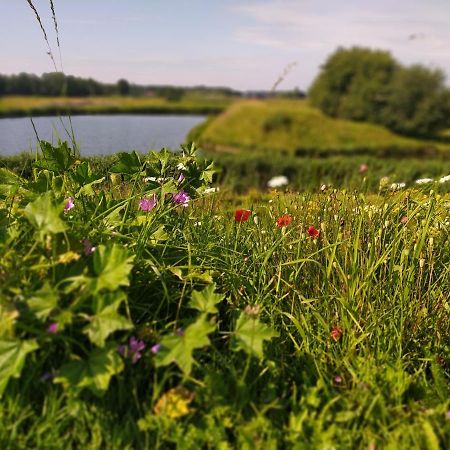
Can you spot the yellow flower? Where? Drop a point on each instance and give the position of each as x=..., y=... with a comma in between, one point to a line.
x=174, y=403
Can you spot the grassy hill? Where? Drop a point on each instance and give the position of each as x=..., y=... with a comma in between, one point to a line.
x=294, y=127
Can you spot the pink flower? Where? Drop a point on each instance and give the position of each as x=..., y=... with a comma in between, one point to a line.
x=337, y=379
x=147, y=204
x=155, y=348
x=363, y=168
x=181, y=198
x=52, y=328
x=69, y=204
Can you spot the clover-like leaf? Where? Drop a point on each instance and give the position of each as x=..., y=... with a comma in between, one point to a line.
x=112, y=266
x=107, y=318
x=94, y=373
x=44, y=215
x=13, y=354
x=178, y=348
x=250, y=334
x=206, y=300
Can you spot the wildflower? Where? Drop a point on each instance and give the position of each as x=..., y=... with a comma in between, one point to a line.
x=252, y=311
x=132, y=350
x=277, y=181
x=147, y=204
x=69, y=204
x=155, y=348
x=241, y=215
x=313, y=232
x=180, y=177
x=363, y=168
x=284, y=221
x=46, y=376
x=174, y=403
x=211, y=190
x=88, y=248
x=181, y=198
x=338, y=379
x=336, y=333
x=444, y=179
x=135, y=346
x=404, y=219
x=397, y=186
x=179, y=332
x=448, y=415
x=424, y=180
x=52, y=328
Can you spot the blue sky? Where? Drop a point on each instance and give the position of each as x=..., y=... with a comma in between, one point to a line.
x=244, y=44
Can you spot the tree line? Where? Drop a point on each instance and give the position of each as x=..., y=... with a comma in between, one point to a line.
x=370, y=85
x=59, y=84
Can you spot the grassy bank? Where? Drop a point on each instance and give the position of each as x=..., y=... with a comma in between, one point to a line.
x=292, y=127
x=140, y=311
x=13, y=106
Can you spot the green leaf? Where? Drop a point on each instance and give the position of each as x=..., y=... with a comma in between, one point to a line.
x=206, y=300
x=129, y=163
x=44, y=301
x=251, y=333
x=107, y=318
x=112, y=266
x=178, y=349
x=94, y=373
x=87, y=189
x=57, y=159
x=44, y=216
x=12, y=358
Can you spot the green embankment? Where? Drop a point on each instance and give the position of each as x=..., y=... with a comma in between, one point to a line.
x=16, y=106
x=293, y=127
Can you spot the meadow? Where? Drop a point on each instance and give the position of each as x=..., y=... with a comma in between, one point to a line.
x=142, y=308
x=191, y=103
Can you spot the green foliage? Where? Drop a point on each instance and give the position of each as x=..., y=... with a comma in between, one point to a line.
x=155, y=327
x=369, y=85
x=353, y=84
x=251, y=333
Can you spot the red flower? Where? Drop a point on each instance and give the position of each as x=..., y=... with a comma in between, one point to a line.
x=284, y=221
x=336, y=333
x=241, y=215
x=313, y=232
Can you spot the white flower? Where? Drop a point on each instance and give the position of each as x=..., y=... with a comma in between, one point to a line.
x=444, y=179
x=397, y=186
x=424, y=180
x=277, y=181
x=211, y=190
x=181, y=166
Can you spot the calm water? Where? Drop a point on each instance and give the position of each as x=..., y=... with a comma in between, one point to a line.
x=99, y=135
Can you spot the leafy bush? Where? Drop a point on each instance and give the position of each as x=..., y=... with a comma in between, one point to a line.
x=370, y=85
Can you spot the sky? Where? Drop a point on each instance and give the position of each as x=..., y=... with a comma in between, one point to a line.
x=242, y=44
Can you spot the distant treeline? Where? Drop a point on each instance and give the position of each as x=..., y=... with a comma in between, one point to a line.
x=57, y=84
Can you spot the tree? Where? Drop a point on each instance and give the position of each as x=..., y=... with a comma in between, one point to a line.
x=418, y=102
x=123, y=87
x=352, y=83
x=370, y=85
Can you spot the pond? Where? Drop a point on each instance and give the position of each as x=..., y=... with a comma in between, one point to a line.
x=99, y=134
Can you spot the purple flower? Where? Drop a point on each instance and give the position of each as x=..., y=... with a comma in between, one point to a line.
x=181, y=198
x=135, y=346
x=132, y=350
x=448, y=415
x=338, y=379
x=69, y=204
x=155, y=348
x=52, y=328
x=181, y=177
x=46, y=376
x=147, y=204
x=88, y=247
